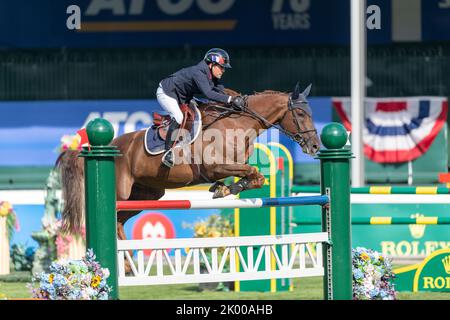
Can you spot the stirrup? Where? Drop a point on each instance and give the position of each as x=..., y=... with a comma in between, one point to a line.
x=167, y=158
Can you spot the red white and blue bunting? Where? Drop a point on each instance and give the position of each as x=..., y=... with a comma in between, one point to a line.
x=397, y=129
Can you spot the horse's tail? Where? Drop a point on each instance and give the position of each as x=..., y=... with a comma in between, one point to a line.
x=72, y=184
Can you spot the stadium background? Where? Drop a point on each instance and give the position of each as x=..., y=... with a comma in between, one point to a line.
x=52, y=79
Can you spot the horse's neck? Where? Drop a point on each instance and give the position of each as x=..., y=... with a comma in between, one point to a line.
x=266, y=106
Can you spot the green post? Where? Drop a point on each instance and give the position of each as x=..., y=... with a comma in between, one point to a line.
x=100, y=197
x=336, y=220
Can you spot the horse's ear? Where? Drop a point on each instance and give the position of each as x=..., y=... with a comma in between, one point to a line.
x=307, y=90
x=296, y=92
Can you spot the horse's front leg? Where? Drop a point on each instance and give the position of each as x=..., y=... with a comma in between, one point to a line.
x=251, y=179
x=254, y=180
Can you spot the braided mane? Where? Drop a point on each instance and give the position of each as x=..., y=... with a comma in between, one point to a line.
x=231, y=92
x=270, y=92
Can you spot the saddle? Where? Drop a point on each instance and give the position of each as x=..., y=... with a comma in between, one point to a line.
x=161, y=122
x=156, y=134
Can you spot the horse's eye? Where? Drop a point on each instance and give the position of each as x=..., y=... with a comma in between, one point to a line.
x=300, y=112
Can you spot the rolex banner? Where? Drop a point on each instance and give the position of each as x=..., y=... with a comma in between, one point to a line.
x=397, y=129
x=432, y=274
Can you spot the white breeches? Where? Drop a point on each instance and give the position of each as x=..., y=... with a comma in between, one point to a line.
x=169, y=104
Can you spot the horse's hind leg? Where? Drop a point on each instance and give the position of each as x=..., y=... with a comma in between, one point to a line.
x=122, y=217
x=137, y=193
x=124, y=190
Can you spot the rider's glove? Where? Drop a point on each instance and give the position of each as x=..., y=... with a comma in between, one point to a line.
x=237, y=102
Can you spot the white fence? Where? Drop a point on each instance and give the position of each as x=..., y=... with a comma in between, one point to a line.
x=284, y=256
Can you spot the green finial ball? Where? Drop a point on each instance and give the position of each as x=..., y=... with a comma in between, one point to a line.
x=334, y=136
x=100, y=132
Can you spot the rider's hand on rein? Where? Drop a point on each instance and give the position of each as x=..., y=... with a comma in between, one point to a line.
x=238, y=102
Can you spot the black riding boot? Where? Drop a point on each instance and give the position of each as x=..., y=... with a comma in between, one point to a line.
x=167, y=159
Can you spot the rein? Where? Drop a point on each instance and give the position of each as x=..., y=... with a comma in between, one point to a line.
x=297, y=137
x=227, y=111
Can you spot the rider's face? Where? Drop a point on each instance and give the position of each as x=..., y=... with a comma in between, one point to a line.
x=217, y=71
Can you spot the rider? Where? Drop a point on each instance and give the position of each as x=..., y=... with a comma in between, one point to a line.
x=180, y=87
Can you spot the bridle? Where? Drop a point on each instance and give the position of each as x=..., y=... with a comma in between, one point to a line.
x=292, y=106
x=298, y=136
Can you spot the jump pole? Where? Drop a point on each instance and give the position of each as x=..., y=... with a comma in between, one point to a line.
x=101, y=205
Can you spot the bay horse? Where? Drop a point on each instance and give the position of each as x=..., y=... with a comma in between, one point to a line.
x=141, y=176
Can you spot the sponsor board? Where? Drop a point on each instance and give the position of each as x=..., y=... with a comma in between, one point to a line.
x=432, y=274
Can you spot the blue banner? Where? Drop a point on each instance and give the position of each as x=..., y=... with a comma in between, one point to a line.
x=436, y=20
x=169, y=23
x=31, y=132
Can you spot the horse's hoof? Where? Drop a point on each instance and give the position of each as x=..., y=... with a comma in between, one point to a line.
x=221, y=192
x=217, y=194
x=216, y=185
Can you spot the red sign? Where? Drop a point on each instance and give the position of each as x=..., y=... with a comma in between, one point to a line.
x=155, y=226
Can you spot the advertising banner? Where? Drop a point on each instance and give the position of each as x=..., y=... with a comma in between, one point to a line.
x=169, y=23
x=435, y=20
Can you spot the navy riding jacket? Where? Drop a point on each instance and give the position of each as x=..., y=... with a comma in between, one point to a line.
x=197, y=79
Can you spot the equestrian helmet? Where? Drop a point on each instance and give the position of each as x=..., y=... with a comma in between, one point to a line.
x=218, y=56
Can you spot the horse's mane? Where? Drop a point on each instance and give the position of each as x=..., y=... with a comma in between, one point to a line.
x=213, y=108
x=233, y=93
x=227, y=91
x=269, y=92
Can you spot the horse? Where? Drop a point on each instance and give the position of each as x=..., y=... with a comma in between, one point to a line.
x=141, y=176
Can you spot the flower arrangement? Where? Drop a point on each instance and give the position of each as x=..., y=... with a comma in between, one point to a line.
x=12, y=223
x=372, y=276
x=72, y=280
x=69, y=142
x=213, y=227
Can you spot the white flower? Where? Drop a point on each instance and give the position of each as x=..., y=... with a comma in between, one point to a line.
x=87, y=278
x=105, y=272
x=368, y=283
x=377, y=276
x=63, y=261
x=376, y=255
x=85, y=296
x=91, y=292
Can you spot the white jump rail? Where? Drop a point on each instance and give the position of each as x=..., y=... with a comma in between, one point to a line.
x=289, y=262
